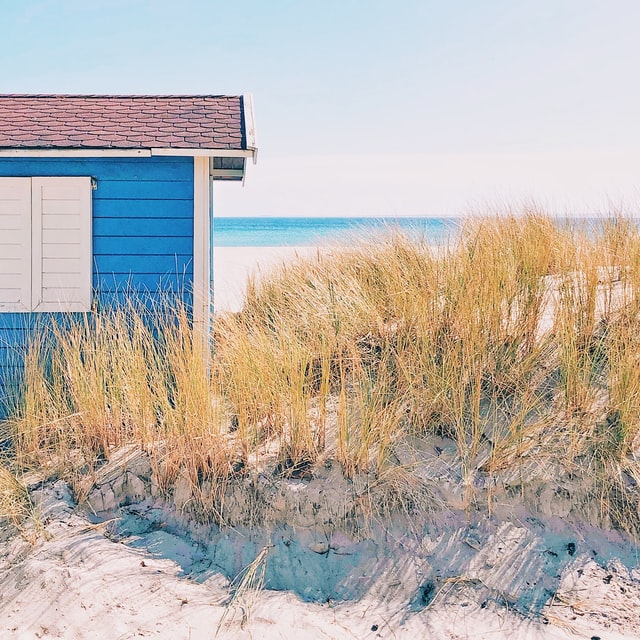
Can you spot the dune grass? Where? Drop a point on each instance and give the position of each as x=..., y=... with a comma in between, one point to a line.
x=519, y=342
x=16, y=507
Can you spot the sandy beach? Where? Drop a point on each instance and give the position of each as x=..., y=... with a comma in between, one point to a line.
x=233, y=265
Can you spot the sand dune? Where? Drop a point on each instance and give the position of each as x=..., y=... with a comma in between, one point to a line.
x=134, y=572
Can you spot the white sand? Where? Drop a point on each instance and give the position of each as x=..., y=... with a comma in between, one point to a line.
x=77, y=584
x=77, y=581
x=233, y=265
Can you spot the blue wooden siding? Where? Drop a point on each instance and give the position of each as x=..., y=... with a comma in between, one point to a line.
x=142, y=232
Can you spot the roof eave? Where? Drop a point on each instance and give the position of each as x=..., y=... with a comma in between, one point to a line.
x=52, y=152
x=210, y=152
x=87, y=152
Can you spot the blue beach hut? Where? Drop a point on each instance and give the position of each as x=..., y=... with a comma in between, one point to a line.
x=105, y=193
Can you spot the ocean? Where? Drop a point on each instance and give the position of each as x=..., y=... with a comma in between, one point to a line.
x=305, y=232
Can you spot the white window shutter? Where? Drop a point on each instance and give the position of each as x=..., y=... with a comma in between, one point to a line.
x=61, y=241
x=15, y=244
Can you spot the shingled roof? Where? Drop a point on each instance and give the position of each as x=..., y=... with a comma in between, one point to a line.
x=125, y=122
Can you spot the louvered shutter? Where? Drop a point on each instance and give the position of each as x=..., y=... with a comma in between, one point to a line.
x=61, y=244
x=15, y=244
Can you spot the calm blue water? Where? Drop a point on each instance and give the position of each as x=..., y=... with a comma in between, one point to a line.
x=300, y=232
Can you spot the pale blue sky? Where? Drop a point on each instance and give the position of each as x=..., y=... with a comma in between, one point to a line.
x=370, y=107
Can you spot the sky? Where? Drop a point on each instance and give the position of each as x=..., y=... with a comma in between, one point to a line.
x=368, y=107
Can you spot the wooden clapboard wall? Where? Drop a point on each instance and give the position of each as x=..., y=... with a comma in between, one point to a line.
x=141, y=236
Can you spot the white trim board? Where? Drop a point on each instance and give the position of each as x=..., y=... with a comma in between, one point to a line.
x=250, y=125
x=210, y=153
x=127, y=153
x=201, y=248
x=75, y=153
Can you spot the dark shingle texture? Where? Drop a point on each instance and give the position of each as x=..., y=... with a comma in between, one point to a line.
x=121, y=122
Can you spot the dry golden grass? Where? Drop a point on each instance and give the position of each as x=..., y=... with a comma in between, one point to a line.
x=520, y=338
x=102, y=380
x=245, y=589
x=15, y=504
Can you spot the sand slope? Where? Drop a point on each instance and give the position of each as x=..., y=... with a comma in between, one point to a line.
x=79, y=581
